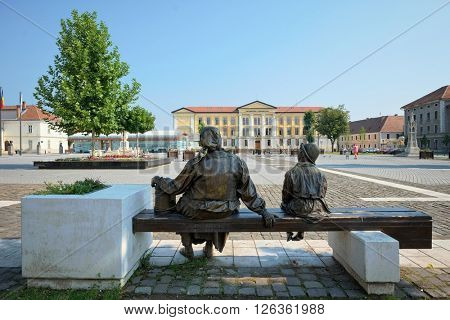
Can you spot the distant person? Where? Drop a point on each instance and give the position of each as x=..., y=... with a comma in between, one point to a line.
x=346, y=153
x=355, y=151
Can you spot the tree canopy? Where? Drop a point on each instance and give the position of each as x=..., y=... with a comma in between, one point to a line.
x=139, y=120
x=309, y=121
x=333, y=122
x=83, y=88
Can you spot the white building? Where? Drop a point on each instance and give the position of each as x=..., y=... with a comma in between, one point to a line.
x=35, y=130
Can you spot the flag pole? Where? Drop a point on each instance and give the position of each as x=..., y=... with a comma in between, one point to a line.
x=20, y=125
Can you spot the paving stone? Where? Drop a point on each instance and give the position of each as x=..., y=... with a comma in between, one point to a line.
x=129, y=289
x=193, y=290
x=279, y=287
x=161, y=288
x=349, y=285
x=287, y=272
x=197, y=280
x=165, y=279
x=293, y=281
x=403, y=283
x=230, y=290
x=179, y=283
x=436, y=293
x=312, y=284
x=136, y=280
x=307, y=276
x=296, y=291
x=414, y=293
x=317, y=293
x=329, y=283
x=212, y=284
x=264, y=291
x=176, y=290
x=355, y=294
x=261, y=281
x=247, y=291
x=336, y=293
x=282, y=294
x=147, y=283
x=211, y=291
x=143, y=290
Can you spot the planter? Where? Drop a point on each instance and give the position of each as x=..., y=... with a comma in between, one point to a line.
x=172, y=154
x=426, y=155
x=102, y=164
x=83, y=241
x=188, y=155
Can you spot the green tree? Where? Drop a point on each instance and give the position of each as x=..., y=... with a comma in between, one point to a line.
x=446, y=140
x=362, y=134
x=83, y=88
x=333, y=122
x=425, y=143
x=309, y=121
x=201, y=125
x=139, y=120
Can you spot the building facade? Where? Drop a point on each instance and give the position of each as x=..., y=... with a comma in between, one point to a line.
x=432, y=116
x=381, y=133
x=35, y=130
x=253, y=126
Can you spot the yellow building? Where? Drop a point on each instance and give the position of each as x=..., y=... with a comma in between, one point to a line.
x=254, y=126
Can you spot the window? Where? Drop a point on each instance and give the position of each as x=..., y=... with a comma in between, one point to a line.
x=288, y=121
x=374, y=136
x=428, y=116
x=414, y=117
x=435, y=144
x=435, y=115
x=409, y=119
x=257, y=121
x=296, y=121
x=233, y=142
x=428, y=129
x=245, y=143
x=420, y=118
x=216, y=121
x=233, y=121
x=281, y=142
x=368, y=136
x=388, y=136
x=397, y=135
x=257, y=132
x=224, y=142
x=30, y=129
x=297, y=142
x=421, y=130
x=200, y=120
x=225, y=132
x=245, y=121
x=280, y=131
x=289, y=131
x=269, y=121
x=297, y=131
x=30, y=144
x=232, y=132
x=268, y=131
x=280, y=120
x=208, y=121
x=268, y=142
x=435, y=129
x=246, y=132
x=225, y=121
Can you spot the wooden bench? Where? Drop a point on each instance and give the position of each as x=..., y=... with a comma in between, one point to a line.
x=412, y=229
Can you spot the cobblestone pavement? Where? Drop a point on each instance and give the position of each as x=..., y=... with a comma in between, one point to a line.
x=423, y=274
x=277, y=269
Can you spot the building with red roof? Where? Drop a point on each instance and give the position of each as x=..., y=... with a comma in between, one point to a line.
x=36, y=130
x=255, y=126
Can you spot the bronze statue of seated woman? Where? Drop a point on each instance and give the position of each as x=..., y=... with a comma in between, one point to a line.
x=212, y=184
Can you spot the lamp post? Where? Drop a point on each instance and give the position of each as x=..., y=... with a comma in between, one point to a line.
x=20, y=124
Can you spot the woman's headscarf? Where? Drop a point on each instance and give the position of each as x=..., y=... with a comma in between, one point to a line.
x=210, y=139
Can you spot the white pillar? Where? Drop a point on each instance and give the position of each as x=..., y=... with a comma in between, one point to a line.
x=192, y=124
x=252, y=126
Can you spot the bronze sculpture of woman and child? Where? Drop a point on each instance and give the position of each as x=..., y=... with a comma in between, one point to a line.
x=215, y=181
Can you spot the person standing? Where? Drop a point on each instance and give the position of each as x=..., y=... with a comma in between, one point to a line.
x=355, y=151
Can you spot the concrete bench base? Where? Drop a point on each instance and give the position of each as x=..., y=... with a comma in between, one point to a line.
x=371, y=257
x=83, y=241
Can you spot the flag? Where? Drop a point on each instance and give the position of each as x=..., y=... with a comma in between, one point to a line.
x=2, y=99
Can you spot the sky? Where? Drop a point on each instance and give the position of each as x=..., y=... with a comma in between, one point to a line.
x=229, y=53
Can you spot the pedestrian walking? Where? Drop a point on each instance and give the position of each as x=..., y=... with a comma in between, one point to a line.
x=355, y=150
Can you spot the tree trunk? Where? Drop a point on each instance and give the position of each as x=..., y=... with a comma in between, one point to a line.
x=92, y=143
x=332, y=145
x=123, y=141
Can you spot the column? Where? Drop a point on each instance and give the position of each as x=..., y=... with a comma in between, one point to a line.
x=252, y=133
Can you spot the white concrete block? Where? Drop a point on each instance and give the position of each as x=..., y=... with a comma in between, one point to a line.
x=80, y=241
x=371, y=257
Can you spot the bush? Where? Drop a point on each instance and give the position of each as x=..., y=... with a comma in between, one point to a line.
x=78, y=187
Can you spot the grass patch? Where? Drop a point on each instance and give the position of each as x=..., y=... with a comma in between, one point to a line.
x=51, y=294
x=78, y=187
x=190, y=266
